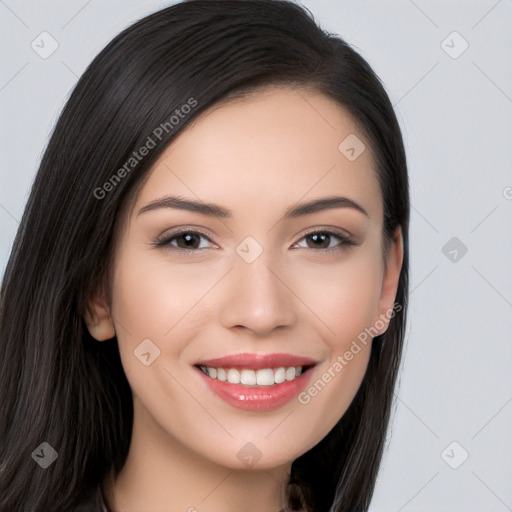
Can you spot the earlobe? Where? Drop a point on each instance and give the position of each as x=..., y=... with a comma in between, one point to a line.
x=390, y=280
x=98, y=319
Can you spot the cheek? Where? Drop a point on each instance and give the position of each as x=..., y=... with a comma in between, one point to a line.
x=157, y=301
x=153, y=297
x=346, y=312
x=343, y=296
x=330, y=393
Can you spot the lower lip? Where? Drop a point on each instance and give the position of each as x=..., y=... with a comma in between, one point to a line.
x=257, y=398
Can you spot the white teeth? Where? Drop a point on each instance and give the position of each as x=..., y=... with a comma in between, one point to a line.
x=233, y=376
x=265, y=377
x=279, y=375
x=247, y=377
x=290, y=373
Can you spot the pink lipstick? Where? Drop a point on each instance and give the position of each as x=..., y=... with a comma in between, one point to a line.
x=257, y=382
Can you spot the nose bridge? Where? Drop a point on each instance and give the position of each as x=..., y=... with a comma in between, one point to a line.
x=257, y=298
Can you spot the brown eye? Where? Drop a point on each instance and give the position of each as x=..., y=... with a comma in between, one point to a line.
x=327, y=240
x=190, y=240
x=187, y=241
x=320, y=240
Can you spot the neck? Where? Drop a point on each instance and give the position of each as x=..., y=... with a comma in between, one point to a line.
x=163, y=475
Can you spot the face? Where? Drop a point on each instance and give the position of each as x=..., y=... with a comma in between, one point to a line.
x=249, y=290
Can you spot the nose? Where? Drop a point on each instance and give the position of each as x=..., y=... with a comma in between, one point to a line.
x=256, y=296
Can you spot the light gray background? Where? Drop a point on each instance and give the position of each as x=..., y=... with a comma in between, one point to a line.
x=456, y=116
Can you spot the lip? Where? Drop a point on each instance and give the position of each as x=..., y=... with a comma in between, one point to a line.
x=257, y=361
x=257, y=398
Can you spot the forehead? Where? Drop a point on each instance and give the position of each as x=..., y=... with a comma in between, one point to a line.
x=268, y=149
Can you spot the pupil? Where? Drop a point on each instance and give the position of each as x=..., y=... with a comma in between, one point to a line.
x=324, y=236
x=188, y=239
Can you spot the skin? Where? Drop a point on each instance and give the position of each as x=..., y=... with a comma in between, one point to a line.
x=256, y=156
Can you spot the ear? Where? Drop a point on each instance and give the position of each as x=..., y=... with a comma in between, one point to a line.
x=98, y=319
x=390, y=281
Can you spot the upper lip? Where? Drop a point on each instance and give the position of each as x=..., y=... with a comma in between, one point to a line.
x=257, y=361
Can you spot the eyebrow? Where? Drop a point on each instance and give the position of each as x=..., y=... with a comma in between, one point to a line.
x=214, y=210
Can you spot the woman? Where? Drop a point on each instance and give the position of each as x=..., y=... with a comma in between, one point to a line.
x=205, y=304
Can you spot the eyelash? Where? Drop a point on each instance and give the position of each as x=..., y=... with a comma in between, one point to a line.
x=165, y=242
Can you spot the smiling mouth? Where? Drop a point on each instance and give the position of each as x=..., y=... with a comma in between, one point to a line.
x=255, y=378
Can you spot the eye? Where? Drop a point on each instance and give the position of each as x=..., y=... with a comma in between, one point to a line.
x=189, y=241
x=186, y=241
x=323, y=240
